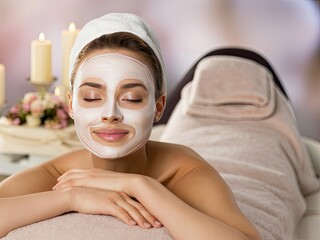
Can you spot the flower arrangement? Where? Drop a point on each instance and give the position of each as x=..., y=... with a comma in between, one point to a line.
x=40, y=109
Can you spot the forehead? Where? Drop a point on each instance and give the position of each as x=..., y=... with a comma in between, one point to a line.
x=113, y=66
x=122, y=51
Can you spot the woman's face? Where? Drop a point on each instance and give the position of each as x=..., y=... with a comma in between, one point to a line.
x=113, y=103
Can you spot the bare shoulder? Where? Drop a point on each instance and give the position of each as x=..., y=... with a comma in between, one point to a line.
x=192, y=171
x=174, y=161
x=75, y=159
x=182, y=152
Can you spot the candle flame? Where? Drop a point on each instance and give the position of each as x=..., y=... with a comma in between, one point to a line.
x=57, y=91
x=72, y=27
x=42, y=37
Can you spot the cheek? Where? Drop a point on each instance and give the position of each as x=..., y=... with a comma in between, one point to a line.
x=139, y=119
x=85, y=116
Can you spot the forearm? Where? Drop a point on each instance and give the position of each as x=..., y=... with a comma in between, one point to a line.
x=182, y=221
x=23, y=210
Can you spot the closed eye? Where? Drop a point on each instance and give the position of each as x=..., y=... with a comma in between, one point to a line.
x=92, y=99
x=133, y=100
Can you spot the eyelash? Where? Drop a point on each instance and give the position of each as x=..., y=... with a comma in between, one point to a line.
x=133, y=100
x=91, y=99
x=127, y=100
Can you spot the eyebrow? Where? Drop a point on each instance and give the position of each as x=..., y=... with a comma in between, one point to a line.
x=132, y=85
x=92, y=84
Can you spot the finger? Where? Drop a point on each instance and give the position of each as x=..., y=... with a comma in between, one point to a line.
x=71, y=176
x=74, y=182
x=72, y=172
x=122, y=201
x=82, y=180
x=121, y=214
x=134, y=213
x=145, y=213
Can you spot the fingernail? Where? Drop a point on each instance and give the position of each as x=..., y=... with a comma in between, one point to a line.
x=157, y=223
x=132, y=222
x=147, y=225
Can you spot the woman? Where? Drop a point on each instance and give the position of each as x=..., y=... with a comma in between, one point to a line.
x=117, y=92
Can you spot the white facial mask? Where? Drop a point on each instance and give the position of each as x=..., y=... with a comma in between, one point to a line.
x=112, y=69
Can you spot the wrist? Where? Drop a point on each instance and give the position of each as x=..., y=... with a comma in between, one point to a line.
x=69, y=198
x=137, y=183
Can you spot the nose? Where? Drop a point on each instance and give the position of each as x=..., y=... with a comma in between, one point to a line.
x=111, y=112
x=111, y=119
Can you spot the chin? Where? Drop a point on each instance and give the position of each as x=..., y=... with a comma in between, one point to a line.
x=118, y=153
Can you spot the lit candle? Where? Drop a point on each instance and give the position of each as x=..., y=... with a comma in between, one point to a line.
x=57, y=91
x=61, y=92
x=68, y=39
x=41, y=72
x=2, y=86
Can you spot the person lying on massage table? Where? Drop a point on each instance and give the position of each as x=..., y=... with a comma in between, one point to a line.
x=118, y=90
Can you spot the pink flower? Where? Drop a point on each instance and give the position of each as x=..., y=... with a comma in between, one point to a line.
x=26, y=107
x=34, y=107
x=37, y=108
x=15, y=109
x=56, y=100
x=29, y=97
x=65, y=108
x=16, y=121
x=61, y=114
x=63, y=123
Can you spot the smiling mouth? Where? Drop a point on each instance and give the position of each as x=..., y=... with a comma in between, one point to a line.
x=111, y=135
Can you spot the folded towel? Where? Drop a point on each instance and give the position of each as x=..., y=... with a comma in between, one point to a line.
x=228, y=87
x=116, y=22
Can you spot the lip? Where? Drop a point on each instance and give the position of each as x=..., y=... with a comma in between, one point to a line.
x=111, y=134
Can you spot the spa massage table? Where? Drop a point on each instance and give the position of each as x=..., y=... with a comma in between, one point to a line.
x=273, y=182
x=309, y=226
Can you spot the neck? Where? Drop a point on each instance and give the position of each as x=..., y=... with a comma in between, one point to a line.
x=135, y=162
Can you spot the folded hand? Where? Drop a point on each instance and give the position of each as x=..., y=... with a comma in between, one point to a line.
x=101, y=191
x=119, y=205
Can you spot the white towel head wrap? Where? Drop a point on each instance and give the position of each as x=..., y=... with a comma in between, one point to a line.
x=112, y=23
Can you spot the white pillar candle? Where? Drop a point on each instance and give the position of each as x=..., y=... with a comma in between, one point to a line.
x=41, y=72
x=68, y=38
x=2, y=85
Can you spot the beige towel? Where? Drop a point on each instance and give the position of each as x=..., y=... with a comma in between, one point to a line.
x=221, y=82
x=85, y=227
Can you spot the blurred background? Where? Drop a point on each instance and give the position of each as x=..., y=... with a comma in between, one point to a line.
x=286, y=32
